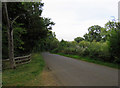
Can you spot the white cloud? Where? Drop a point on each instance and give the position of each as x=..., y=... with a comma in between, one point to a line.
x=73, y=17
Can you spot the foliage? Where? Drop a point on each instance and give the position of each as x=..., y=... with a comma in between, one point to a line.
x=94, y=33
x=18, y=42
x=78, y=39
x=29, y=29
x=84, y=44
x=88, y=59
x=99, y=50
x=4, y=42
x=46, y=44
x=101, y=44
x=32, y=33
x=87, y=37
x=114, y=43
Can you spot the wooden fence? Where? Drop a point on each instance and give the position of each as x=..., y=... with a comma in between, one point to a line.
x=18, y=61
x=23, y=59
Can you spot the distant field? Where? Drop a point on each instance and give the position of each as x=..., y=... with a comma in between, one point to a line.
x=25, y=75
x=88, y=59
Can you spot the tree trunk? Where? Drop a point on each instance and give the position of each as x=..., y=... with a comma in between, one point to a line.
x=10, y=40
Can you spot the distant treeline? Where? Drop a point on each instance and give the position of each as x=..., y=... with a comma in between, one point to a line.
x=99, y=43
x=32, y=33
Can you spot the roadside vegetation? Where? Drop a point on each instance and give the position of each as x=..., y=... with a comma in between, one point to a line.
x=99, y=44
x=30, y=29
x=88, y=59
x=29, y=32
x=24, y=31
x=25, y=75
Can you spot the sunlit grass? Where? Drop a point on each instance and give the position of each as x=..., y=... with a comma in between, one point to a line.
x=24, y=74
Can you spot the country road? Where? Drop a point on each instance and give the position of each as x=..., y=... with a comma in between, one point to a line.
x=72, y=72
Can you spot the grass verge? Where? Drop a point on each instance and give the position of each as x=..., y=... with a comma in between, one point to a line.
x=25, y=75
x=88, y=59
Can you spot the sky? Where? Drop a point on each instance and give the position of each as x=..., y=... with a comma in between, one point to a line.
x=72, y=18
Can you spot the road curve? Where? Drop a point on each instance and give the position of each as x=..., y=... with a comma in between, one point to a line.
x=72, y=72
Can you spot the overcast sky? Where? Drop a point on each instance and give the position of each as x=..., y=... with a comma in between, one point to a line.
x=73, y=17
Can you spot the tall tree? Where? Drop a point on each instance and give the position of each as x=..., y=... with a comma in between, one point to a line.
x=114, y=42
x=29, y=26
x=78, y=39
x=86, y=37
x=94, y=33
x=10, y=39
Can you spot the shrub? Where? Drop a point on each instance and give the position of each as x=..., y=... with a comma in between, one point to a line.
x=56, y=50
x=94, y=49
x=84, y=44
x=69, y=50
x=114, y=44
x=104, y=52
x=84, y=48
x=80, y=51
x=99, y=50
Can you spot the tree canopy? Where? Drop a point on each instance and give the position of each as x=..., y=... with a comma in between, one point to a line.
x=78, y=39
x=29, y=26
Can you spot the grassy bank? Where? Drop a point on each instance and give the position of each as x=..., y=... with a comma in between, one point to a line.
x=25, y=75
x=88, y=59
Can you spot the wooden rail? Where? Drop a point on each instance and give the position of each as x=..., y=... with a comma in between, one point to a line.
x=18, y=61
x=23, y=59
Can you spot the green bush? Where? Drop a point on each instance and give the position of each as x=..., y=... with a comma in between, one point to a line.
x=84, y=44
x=107, y=49
x=80, y=51
x=84, y=48
x=56, y=50
x=114, y=44
x=95, y=50
x=69, y=50
x=104, y=51
x=99, y=50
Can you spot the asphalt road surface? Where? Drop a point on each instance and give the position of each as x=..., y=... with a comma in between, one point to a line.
x=72, y=72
